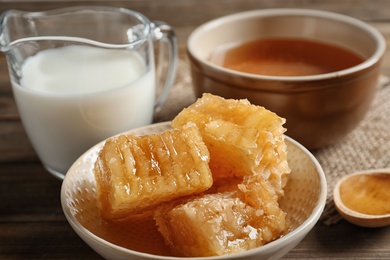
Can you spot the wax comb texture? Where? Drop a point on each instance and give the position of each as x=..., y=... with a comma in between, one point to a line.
x=136, y=173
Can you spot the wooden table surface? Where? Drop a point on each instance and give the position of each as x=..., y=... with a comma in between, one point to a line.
x=32, y=225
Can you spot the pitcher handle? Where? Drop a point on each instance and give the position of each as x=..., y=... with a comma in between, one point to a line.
x=164, y=34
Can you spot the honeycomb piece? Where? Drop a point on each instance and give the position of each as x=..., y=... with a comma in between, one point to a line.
x=260, y=194
x=222, y=223
x=136, y=173
x=243, y=139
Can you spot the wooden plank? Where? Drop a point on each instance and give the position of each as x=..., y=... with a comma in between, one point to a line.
x=14, y=144
x=199, y=11
x=42, y=240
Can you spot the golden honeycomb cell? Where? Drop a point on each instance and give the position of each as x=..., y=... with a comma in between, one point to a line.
x=134, y=174
x=243, y=139
x=223, y=223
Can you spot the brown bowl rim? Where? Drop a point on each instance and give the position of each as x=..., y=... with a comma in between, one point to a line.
x=369, y=62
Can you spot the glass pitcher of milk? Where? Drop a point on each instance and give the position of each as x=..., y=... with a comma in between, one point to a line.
x=82, y=74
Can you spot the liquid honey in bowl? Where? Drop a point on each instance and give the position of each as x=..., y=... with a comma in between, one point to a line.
x=285, y=57
x=367, y=193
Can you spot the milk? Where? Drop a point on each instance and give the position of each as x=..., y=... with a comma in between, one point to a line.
x=72, y=97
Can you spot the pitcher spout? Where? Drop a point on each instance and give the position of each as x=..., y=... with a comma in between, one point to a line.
x=15, y=27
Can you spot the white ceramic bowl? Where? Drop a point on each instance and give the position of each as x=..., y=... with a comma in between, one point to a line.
x=304, y=201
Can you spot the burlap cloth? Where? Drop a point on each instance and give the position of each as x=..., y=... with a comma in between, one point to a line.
x=366, y=147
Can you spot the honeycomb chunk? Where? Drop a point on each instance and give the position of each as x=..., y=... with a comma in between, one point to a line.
x=243, y=139
x=136, y=173
x=222, y=223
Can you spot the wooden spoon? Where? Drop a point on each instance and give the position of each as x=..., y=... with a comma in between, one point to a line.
x=363, y=198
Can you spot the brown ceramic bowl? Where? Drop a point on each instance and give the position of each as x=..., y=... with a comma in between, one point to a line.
x=320, y=109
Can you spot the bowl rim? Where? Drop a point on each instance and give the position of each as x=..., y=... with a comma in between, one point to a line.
x=300, y=231
x=274, y=12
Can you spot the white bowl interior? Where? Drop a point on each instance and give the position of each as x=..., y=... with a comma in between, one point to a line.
x=304, y=200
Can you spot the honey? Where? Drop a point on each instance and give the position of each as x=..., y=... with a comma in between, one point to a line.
x=140, y=235
x=285, y=57
x=367, y=194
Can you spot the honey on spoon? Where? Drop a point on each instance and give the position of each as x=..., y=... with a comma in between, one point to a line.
x=363, y=198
